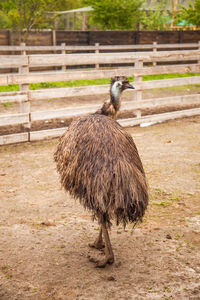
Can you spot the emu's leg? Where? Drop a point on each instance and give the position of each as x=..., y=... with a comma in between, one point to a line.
x=98, y=243
x=109, y=256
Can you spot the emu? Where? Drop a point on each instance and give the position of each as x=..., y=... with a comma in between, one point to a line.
x=99, y=164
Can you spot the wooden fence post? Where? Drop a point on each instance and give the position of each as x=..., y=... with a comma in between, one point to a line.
x=97, y=51
x=25, y=106
x=54, y=37
x=199, y=49
x=63, y=52
x=154, y=50
x=138, y=93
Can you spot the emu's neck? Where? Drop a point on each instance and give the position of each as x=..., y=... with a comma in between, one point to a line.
x=111, y=107
x=115, y=94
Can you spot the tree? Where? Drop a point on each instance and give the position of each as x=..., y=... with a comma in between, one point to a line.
x=157, y=18
x=118, y=14
x=24, y=14
x=190, y=15
x=4, y=20
x=28, y=14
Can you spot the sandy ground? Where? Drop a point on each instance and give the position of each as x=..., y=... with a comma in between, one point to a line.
x=44, y=233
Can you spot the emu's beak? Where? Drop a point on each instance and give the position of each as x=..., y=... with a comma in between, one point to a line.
x=129, y=86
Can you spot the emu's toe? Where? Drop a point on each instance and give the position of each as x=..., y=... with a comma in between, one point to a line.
x=107, y=260
x=101, y=263
x=99, y=245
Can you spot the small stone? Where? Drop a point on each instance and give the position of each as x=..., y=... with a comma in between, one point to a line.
x=168, y=236
x=111, y=278
x=118, y=264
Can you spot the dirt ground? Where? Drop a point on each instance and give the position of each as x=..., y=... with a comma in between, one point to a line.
x=44, y=233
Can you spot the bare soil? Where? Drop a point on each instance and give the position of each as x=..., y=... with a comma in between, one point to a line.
x=44, y=233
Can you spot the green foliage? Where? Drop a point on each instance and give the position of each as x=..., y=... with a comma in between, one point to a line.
x=190, y=15
x=24, y=14
x=157, y=19
x=118, y=14
x=4, y=20
x=28, y=14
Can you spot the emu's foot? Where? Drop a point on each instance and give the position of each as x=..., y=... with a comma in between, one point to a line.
x=97, y=245
x=103, y=262
x=107, y=260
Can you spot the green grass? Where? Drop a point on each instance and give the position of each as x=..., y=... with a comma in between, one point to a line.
x=75, y=83
x=9, y=88
x=8, y=104
x=169, y=76
x=161, y=198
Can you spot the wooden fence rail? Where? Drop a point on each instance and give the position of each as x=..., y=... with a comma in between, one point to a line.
x=54, y=93
x=17, y=78
x=137, y=69
x=98, y=47
x=12, y=61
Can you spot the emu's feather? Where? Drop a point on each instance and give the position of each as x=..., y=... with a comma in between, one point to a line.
x=99, y=164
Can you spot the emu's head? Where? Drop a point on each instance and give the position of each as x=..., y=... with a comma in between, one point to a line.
x=118, y=85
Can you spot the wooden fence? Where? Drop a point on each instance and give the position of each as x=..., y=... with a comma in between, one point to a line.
x=136, y=66
x=97, y=48
x=108, y=37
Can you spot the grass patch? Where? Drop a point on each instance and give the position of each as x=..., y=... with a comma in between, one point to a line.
x=162, y=203
x=72, y=83
x=168, y=76
x=76, y=83
x=8, y=104
x=9, y=88
x=5, y=271
x=161, y=198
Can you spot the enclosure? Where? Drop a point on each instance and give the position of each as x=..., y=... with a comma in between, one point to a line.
x=44, y=233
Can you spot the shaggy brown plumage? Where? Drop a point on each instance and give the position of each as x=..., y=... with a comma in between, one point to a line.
x=99, y=164
x=103, y=169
